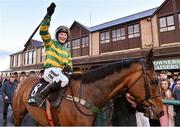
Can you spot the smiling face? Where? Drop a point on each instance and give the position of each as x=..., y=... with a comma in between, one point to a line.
x=62, y=37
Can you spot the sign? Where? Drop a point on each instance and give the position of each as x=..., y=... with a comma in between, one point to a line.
x=167, y=64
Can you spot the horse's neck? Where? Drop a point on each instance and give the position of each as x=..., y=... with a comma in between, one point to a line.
x=102, y=90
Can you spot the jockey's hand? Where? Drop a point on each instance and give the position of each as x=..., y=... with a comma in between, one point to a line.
x=131, y=100
x=67, y=70
x=50, y=9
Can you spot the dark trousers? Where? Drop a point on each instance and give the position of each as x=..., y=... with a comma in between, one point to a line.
x=5, y=109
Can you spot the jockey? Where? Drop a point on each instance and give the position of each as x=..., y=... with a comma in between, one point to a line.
x=58, y=61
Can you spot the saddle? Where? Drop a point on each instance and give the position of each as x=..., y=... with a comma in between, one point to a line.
x=54, y=98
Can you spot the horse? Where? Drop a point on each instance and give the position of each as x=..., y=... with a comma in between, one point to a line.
x=88, y=93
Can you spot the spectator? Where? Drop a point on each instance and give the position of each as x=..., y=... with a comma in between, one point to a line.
x=168, y=118
x=163, y=75
x=124, y=113
x=32, y=73
x=176, y=95
x=8, y=89
x=22, y=76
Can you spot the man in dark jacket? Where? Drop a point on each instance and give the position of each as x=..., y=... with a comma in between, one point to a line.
x=8, y=89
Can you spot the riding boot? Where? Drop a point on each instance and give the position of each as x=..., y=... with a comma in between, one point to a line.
x=50, y=88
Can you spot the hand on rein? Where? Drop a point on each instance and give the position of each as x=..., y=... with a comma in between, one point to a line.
x=131, y=100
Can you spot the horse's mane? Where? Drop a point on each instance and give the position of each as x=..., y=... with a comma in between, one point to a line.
x=101, y=72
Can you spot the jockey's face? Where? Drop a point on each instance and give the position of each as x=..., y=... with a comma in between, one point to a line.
x=62, y=37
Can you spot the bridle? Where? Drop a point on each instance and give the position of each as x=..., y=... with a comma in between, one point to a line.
x=148, y=95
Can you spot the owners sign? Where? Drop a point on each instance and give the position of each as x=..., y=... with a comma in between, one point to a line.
x=167, y=64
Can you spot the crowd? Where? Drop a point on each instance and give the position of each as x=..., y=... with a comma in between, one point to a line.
x=119, y=111
x=8, y=84
x=124, y=113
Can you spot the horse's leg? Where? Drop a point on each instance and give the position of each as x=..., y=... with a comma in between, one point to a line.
x=19, y=110
x=18, y=115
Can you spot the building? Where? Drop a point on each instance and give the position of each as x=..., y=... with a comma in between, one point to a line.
x=127, y=37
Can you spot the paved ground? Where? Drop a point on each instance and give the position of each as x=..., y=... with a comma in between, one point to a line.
x=27, y=121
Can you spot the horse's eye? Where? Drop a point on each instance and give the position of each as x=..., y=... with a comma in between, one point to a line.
x=155, y=82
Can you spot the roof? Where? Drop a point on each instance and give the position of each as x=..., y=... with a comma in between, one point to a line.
x=17, y=52
x=36, y=43
x=76, y=22
x=126, y=19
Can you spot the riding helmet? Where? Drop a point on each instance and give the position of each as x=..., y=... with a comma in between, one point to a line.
x=62, y=29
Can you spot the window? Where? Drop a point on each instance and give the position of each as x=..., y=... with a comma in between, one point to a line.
x=85, y=42
x=76, y=44
x=166, y=23
x=34, y=57
x=118, y=34
x=42, y=54
x=179, y=19
x=105, y=37
x=19, y=60
x=12, y=61
x=30, y=59
x=26, y=58
x=133, y=31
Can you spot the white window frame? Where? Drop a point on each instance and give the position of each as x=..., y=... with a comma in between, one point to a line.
x=133, y=31
x=105, y=37
x=166, y=23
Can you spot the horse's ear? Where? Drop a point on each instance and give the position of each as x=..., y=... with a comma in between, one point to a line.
x=149, y=59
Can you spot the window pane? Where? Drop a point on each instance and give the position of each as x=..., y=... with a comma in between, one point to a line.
x=19, y=60
x=136, y=28
x=162, y=22
x=170, y=20
x=171, y=28
x=122, y=31
x=34, y=57
x=26, y=58
x=113, y=33
x=102, y=36
x=42, y=54
x=130, y=29
x=85, y=42
x=76, y=44
x=107, y=35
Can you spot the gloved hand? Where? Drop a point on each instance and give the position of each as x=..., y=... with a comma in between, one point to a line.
x=50, y=9
x=67, y=70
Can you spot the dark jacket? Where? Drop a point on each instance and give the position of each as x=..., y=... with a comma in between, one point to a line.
x=124, y=114
x=8, y=89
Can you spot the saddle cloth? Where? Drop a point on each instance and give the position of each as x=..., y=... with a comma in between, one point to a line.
x=54, y=98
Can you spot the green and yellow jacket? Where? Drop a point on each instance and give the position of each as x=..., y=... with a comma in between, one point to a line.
x=57, y=55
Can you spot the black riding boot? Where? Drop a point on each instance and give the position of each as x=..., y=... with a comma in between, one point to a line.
x=50, y=88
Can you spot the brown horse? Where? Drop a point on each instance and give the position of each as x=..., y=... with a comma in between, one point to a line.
x=93, y=89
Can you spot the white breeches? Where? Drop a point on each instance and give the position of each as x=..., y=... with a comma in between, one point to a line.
x=54, y=74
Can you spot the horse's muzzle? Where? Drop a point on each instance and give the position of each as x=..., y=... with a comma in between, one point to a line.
x=152, y=113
